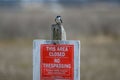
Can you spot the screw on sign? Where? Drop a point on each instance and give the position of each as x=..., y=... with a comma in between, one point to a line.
x=56, y=59
x=57, y=62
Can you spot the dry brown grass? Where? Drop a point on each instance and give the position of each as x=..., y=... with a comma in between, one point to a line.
x=34, y=21
x=15, y=60
x=99, y=61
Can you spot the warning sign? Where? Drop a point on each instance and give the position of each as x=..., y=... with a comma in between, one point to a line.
x=57, y=62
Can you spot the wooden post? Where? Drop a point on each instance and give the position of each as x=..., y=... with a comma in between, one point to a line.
x=60, y=61
x=58, y=32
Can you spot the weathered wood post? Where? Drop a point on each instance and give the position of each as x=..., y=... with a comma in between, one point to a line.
x=56, y=59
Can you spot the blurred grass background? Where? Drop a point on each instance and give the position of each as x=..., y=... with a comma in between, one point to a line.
x=96, y=25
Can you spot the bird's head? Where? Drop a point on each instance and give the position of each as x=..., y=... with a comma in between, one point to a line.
x=58, y=20
x=58, y=17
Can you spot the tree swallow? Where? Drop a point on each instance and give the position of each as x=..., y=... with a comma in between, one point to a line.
x=58, y=20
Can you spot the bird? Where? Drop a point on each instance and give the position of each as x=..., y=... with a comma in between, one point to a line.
x=58, y=31
x=58, y=20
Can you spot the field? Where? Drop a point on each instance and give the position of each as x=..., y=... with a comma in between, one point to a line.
x=96, y=26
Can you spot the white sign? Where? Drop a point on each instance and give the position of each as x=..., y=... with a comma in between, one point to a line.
x=56, y=61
